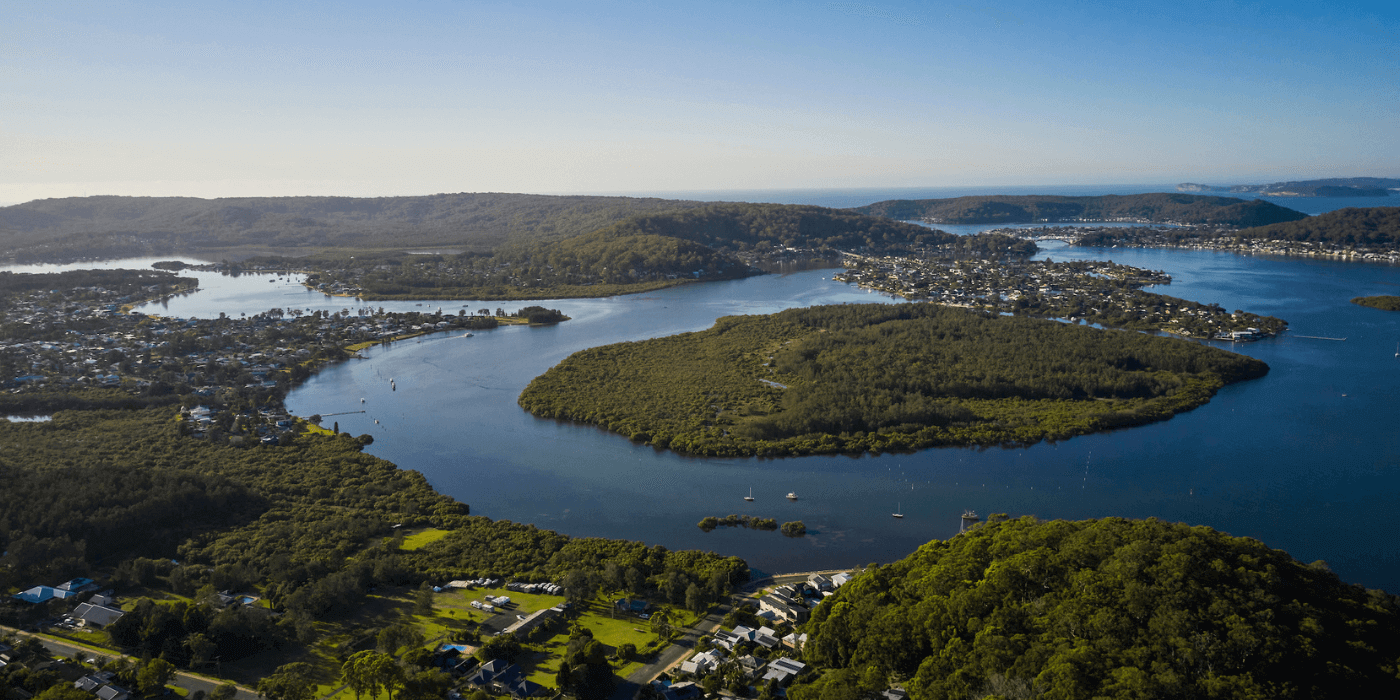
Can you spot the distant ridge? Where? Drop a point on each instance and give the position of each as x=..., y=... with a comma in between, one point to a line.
x=1162, y=207
x=1328, y=187
x=110, y=226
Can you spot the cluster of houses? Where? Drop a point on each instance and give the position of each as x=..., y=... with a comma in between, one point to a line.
x=501, y=678
x=98, y=611
x=497, y=677
x=793, y=602
x=789, y=603
x=268, y=425
x=99, y=684
x=1072, y=291
x=68, y=346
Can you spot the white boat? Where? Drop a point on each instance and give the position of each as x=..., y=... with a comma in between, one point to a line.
x=896, y=512
x=750, y=496
x=792, y=495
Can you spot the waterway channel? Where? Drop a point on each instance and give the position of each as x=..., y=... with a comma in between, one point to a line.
x=1306, y=459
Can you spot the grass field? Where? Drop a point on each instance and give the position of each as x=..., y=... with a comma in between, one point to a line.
x=421, y=539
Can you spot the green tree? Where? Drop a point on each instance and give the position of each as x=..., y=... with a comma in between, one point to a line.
x=579, y=586
x=154, y=675
x=201, y=649
x=423, y=600
x=694, y=598
x=502, y=646
x=62, y=691
x=291, y=681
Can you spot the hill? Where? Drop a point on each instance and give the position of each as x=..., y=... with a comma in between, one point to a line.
x=1327, y=187
x=86, y=227
x=1161, y=207
x=1101, y=608
x=640, y=253
x=879, y=377
x=1369, y=227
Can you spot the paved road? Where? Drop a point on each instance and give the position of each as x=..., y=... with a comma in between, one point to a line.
x=64, y=649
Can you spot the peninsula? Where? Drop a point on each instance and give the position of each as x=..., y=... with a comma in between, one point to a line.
x=1369, y=234
x=1327, y=187
x=1384, y=302
x=1169, y=208
x=876, y=377
x=1102, y=293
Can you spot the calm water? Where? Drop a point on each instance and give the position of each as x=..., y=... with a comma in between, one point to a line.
x=1305, y=459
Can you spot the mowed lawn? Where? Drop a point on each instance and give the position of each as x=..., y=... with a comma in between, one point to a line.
x=422, y=538
x=613, y=632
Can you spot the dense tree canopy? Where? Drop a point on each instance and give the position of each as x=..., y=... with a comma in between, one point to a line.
x=1106, y=608
x=1385, y=302
x=1008, y=209
x=879, y=377
x=1371, y=226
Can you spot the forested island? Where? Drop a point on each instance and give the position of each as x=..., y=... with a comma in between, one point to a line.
x=879, y=378
x=1019, y=608
x=1384, y=302
x=1139, y=208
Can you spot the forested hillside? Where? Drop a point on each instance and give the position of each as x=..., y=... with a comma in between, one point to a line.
x=105, y=227
x=734, y=227
x=1155, y=207
x=1102, y=609
x=303, y=521
x=879, y=377
x=1372, y=226
x=720, y=241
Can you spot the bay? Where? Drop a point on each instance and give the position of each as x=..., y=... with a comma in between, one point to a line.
x=1305, y=459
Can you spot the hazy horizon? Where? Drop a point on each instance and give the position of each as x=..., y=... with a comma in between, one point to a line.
x=363, y=99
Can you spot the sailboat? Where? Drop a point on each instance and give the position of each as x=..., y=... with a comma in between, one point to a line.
x=896, y=512
x=750, y=496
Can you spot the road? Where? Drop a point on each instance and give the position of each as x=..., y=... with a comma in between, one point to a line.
x=62, y=648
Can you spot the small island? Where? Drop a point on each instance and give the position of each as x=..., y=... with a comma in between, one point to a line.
x=877, y=377
x=1384, y=302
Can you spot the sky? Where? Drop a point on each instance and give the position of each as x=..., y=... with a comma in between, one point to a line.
x=279, y=98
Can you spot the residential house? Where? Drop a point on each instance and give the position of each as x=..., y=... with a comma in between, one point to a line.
x=97, y=615
x=783, y=671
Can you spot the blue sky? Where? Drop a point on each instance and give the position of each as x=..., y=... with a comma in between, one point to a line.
x=369, y=99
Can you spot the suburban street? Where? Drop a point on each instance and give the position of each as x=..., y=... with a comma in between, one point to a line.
x=64, y=649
